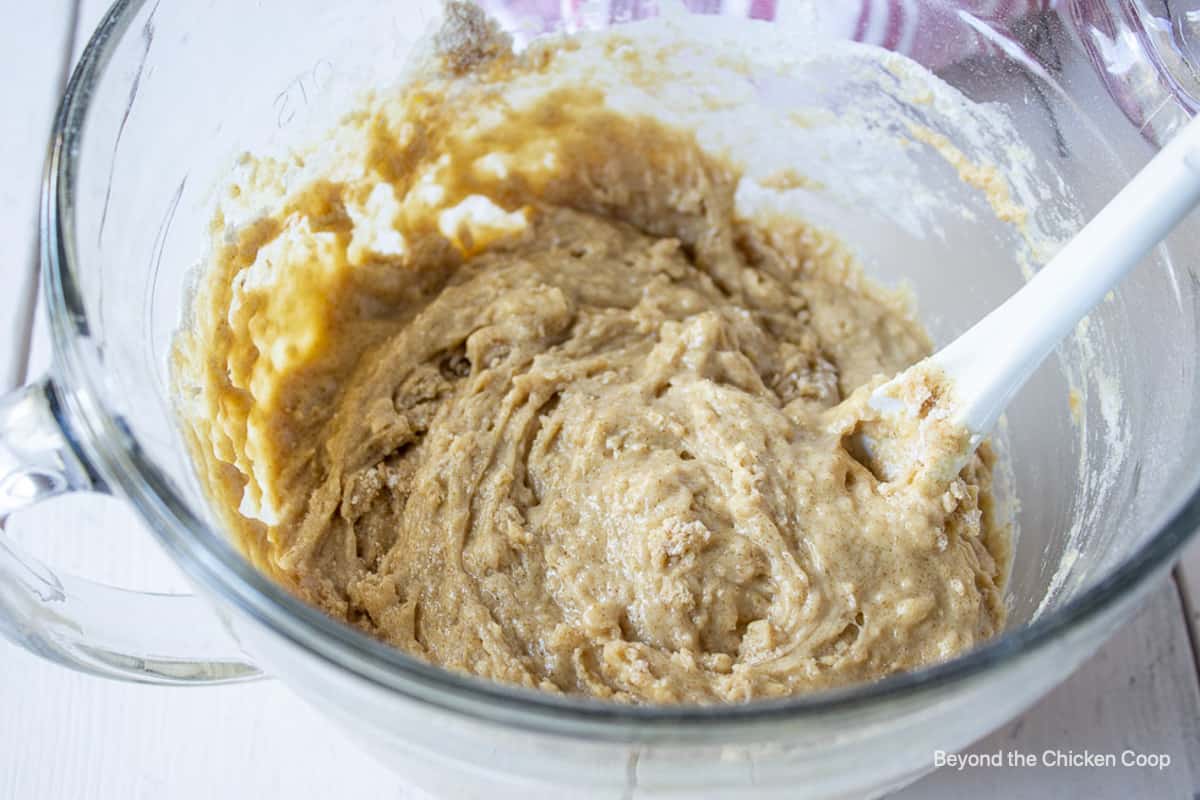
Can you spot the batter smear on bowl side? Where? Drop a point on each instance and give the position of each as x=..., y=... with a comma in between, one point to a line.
x=503, y=379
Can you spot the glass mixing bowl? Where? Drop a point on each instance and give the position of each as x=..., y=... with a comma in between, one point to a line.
x=1106, y=458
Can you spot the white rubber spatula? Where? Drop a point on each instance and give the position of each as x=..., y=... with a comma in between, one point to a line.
x=988, y=364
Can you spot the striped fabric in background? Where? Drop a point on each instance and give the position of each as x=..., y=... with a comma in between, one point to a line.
x=933, y=32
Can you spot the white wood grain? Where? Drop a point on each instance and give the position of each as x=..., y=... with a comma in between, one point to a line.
x=82, y=739
x=1188, y=575
x=1139, y=693
x=88, y=16
x=33, y=41
x=65, y=736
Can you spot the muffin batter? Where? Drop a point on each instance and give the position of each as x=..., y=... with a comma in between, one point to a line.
x=511, y=386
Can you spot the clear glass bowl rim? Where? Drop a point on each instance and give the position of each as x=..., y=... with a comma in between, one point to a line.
x=109, y=449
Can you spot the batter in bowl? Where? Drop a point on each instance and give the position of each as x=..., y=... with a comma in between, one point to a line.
x=507, y=382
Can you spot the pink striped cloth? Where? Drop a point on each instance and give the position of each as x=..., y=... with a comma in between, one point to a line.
x=933, y=32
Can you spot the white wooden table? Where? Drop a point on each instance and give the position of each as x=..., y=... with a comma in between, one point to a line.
x=66, y=736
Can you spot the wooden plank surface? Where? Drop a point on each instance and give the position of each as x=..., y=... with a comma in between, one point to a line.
x=1139, y=693
x=1188, y=575
x=67, y=736
x=63, y=734
x=33, y=47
